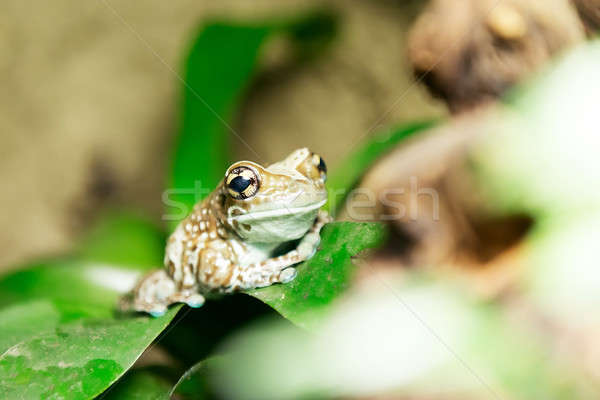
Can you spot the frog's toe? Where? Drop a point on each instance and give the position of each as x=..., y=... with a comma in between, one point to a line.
x=288, y=275
x=314, y=250
x=155, y=309
x=195, y=301
x=157, y=312
x=308, y=246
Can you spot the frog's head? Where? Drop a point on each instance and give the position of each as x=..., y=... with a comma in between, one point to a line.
x=276, y=203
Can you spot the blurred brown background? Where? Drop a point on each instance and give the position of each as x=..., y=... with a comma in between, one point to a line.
x=89, y=103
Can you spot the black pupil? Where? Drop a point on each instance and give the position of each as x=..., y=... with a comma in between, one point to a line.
x=322, y=166
x=239, y=184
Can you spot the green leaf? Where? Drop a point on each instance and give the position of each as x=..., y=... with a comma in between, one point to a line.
x=195, y=383
x=142, y=384
x=61, y=335
x=325, y=276
x=218, y=69
x=76, y=360
x=23, y=321
x=348, y=174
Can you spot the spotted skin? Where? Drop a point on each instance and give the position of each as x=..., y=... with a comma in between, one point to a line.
x=228, y=243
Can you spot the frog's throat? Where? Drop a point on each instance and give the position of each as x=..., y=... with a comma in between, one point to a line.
x=277, y=213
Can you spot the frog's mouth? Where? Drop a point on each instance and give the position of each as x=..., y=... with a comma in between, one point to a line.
x=280, y=212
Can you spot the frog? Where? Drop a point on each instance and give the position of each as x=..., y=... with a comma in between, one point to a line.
x=232, y=240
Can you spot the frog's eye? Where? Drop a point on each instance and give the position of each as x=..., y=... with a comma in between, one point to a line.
x=318, y=161
x=242, y=183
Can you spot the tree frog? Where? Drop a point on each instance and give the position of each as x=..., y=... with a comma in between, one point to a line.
x=233, y=239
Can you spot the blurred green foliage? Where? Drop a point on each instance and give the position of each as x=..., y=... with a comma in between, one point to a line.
x=124, y=239
x=348, y=174
x=193, y=384
x=419, y=338
x=324, y=277
x=141, y=384
x=218, y=70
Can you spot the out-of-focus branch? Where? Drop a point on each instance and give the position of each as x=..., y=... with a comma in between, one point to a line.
x=469, y=52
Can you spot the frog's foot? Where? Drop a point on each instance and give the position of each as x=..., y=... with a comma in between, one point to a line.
x=189, y=297
x=153, y=293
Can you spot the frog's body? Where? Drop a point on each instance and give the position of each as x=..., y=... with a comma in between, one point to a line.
x=228, y=242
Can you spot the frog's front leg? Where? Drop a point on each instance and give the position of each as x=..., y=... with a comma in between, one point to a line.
x=278, y=269
x=307, y=247
x=310, y=241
